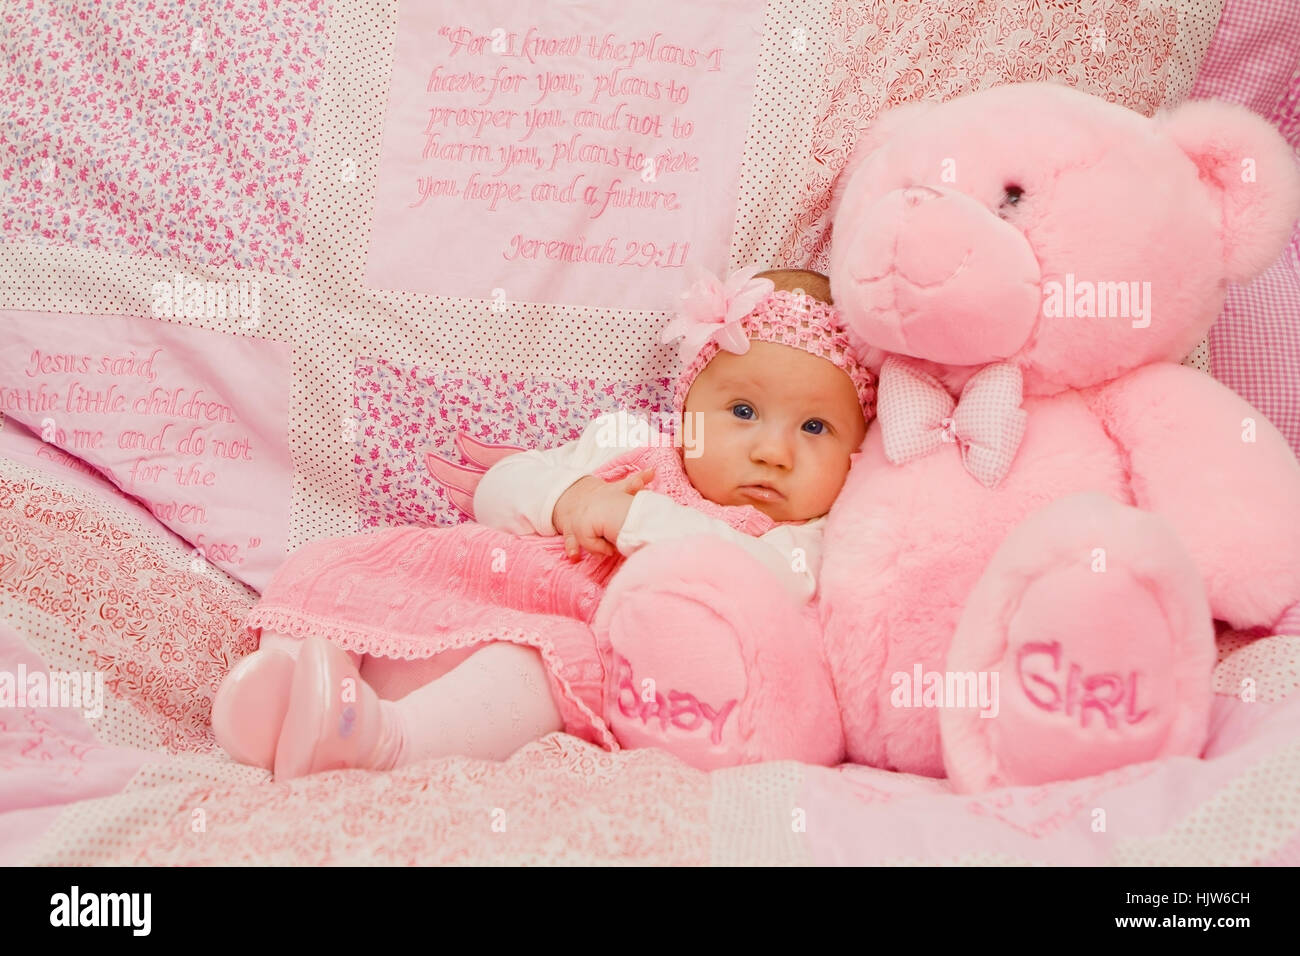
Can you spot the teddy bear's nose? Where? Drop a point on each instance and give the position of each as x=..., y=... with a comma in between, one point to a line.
x=915, y=195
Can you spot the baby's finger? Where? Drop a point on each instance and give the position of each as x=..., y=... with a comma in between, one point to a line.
x=571, y=545
x=633, y=483
x=597, y=545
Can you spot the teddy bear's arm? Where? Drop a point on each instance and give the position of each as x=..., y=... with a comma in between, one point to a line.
x=1212, y=465
x=789, y=552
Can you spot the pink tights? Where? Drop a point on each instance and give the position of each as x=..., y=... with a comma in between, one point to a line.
x=484, y=702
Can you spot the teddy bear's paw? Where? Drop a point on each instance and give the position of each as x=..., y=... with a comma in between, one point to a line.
x=708, y=657
x=1089, y=645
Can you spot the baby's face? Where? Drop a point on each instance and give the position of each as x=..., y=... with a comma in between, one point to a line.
x=778, y=426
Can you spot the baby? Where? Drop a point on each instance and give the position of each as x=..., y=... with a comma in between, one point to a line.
x=774, y=425
x=779, y=405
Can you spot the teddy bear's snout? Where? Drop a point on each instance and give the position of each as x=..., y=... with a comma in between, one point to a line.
x=914, y=195
x=928, y=271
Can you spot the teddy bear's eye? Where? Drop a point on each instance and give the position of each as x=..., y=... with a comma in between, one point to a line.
x=1013, y=194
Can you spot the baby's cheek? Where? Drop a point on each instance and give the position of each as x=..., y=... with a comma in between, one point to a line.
x=716, y=454
x=832, y=471
x=702, y=471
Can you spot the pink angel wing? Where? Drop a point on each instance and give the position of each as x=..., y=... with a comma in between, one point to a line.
x=481, y=453
x=453, y=476
x=462, y=500
x=459, y=481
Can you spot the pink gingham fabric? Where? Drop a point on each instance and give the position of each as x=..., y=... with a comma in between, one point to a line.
x=1290, y=621
x=1254, y=60
x=917, y=415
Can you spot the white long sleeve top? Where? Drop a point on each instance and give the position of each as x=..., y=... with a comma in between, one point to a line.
x=518, y=494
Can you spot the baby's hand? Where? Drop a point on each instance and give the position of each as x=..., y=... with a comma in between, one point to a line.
x=591, y=512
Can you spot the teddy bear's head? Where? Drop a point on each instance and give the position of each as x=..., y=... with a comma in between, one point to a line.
x=1043, y=226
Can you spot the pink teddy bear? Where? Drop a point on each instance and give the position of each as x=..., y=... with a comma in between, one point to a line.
x=1022, y=571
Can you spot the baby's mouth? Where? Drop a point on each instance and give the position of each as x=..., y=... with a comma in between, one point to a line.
x=760, y=493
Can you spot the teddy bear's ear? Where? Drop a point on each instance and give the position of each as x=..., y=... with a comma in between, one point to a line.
x=886, y=123
x=1247, y=163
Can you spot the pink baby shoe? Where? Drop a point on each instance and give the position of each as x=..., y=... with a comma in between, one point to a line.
x=334, y=719
x=250, y=705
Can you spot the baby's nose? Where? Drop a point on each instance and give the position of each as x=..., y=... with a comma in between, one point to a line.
x=774, y=451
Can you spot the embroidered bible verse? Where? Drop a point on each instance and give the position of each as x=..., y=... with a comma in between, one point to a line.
x=570, y=152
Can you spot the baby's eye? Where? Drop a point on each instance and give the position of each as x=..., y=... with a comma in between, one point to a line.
x=819, y=426
x=742, y=411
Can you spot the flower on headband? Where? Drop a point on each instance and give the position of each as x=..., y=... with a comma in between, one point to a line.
x=712, y=310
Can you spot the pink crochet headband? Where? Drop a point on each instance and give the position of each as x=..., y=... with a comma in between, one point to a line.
x=727, y=315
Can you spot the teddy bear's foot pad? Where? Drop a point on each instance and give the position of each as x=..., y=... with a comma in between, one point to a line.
x=710, y=659
x=1092, y=629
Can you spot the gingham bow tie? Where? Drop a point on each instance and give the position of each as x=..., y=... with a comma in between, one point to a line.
x=917, y=415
